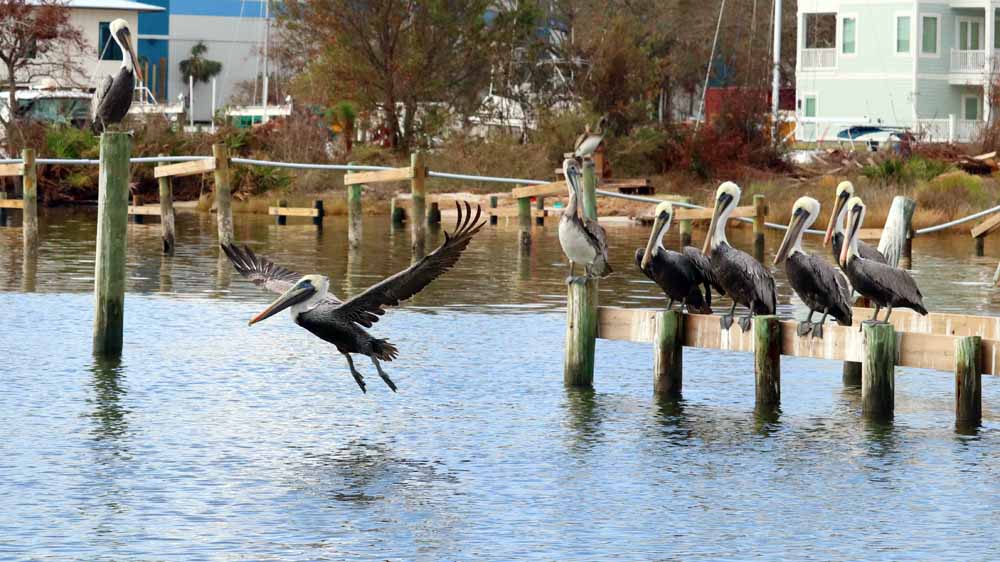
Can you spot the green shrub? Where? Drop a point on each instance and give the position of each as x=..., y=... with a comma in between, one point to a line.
x=926, y=169
x=889, y=171
x=952, y=190
x=70, y=142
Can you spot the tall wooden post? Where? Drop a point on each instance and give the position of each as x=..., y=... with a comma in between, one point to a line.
x=354, y=214
x=112, y=232
x=223, y=193
x=980, y=246
x=878, y=370
x=540, y=207
x=581, y=307
x=668, y=354
x=760, y=215
x=968, y=381
x=397, y=212
x=318, y=219
x=418, y=191
x=494, y=201
x=767, y=361
x=281, y=220
x=524, y=221
x=897, y=230
x=29, y=220
x=686, y=227
x=135, y=215
x=434, y=213
x=167, y=217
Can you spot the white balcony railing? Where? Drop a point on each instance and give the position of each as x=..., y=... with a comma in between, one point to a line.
x=968, y=61
x=819, y=58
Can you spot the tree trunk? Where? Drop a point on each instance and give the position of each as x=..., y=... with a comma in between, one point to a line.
x=8, y=123
x=410, y=109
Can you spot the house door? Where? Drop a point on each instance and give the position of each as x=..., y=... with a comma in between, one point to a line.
x=970, y=34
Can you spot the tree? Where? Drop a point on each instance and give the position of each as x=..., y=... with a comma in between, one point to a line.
x=37, y=40
x=390, y=56
x=198, y=67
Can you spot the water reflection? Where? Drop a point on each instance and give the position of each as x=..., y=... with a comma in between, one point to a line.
x=584, y=418
x=109, y=413
x=29, y=271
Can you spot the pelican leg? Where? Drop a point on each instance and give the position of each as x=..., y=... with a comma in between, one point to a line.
x=888, y=311
x=358, y=378
x=726, y=320
x=746, y=320
x=572, y=271
x=818, y=327
x=381, y=373
x=874, y=317
x=670, y=304
x=806, y=325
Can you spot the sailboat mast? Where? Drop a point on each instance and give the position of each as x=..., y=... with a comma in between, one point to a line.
x=267, y=44
x=776, y=79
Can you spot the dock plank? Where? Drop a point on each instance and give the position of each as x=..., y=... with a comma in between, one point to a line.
x=194, y=167
x=397, y=174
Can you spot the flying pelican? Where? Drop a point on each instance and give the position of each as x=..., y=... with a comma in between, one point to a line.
x=679, y=274
x=341, y=322
x=583, y=240
x=838, y=221
x=885, y=285
x=817, y=283
x=745, y=280
x=113, y=96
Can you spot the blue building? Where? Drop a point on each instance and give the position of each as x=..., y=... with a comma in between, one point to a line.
x=232, y=30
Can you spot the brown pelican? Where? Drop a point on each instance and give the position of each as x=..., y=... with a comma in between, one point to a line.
x=588, y=142
x=341, y=322
x=885, y=285
x=679, y=274
x=743, y=278
x=583, y=240
x=817, y=283
x=838, y=221
x=113, y=96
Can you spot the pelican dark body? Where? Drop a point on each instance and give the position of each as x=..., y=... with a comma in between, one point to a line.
x=342, y=323
x=679, y=277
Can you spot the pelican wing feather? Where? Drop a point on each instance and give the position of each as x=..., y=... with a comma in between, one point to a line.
x=260, y=270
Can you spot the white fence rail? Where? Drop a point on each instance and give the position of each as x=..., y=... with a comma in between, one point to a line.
x=819, y=58
x=968, y=61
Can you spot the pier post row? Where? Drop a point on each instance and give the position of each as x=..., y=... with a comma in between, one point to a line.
x=167, y=216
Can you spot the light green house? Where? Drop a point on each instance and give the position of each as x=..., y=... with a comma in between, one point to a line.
x=897, y=63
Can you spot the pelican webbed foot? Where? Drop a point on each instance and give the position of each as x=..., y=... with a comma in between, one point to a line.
x=358, y=377
x=817, y=330
x=726, y=321
x=381, y=373
x=745, y=322
x=804, y=328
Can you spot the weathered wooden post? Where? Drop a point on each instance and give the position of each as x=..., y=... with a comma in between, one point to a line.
x=760, y=215
x=668, y=353
x=434, y=214
x=397, y=212
x=686, y=227
x=878, y=370
x=968, y=381
x=167, y=217
x=354, y=213
x=540, y=207
x=136, y=215
x=980, y=246
x=223, y=193
x=524, y=221
x=280, y=219
x=29, y=216
x=767, y=361
x=493, y=205
x=581, y=309
x=589, y=189
x=4, y=214
x=112, y=233
x=418, y=190
x=318, y=219
x=897, y=231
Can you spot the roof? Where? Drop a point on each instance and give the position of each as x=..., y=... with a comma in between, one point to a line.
x=127, y=5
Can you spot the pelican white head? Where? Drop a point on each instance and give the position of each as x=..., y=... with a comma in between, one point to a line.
x=662, y=217
x=303, y=296
x=856, y=217
x=845, y=190
x=804, y=214
x=123, y=37
x=727, y=198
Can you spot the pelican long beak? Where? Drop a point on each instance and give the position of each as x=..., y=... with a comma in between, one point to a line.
x=720, y=204
x=660, y=224
x=291, y=297
x=837, y=206
x=852, y=232
x=791, y=235
x=126, y=40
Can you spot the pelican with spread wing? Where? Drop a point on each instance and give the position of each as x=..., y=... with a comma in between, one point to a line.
x=343, y=323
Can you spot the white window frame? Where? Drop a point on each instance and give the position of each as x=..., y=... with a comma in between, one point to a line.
x=895, y=34
x=840, y=35
x=937, y=39
x=970, y=20
x=979, y=107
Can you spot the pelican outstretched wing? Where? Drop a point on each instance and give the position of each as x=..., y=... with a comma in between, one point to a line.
x=365, y=308
x=261, y=271
x=95, y=103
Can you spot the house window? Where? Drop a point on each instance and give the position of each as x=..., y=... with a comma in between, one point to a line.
x=810, y=106
x=929, y=35
x=850, y=31
x=969, y=34
x=107, y=49
x=903, y=34
x=996, y=27
x=970, y=108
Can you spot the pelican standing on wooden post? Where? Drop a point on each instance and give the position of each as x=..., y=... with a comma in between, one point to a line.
x=815, y=281
x=680, y=275
x=838, y=222
x=583, y=240
x=742, y=277
x=342, y=323
x=113, y=97
x=885, y=285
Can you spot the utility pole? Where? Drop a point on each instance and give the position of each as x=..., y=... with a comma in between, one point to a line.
x=776, y=83
x=267, y=42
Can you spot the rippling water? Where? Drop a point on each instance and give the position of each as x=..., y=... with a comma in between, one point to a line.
x=210, y=440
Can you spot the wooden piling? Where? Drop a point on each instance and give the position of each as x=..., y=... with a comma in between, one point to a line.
x=355, y=214
x=897, y=232
x=167, y=217
x=137, y=218
x=434, y=214
x=668, y=372
x=4, y=214
x=760, y=215
x=29, y=216
x=318, y=219
x=281, y=220
x=223, y=193
x=686, y=226
x=493, y=205
x=540, y=206
x=418, y=190
x=581, y=331
x=589, y=189
x=968, y=381
x=981, y=246
x=397, y=213
x=109, y=267
x=878, y=370
x=767, y=361
x=524, y=221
